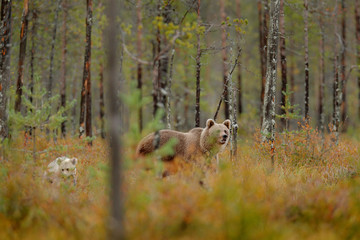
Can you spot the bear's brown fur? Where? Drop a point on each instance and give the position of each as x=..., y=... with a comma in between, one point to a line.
x=208, y=141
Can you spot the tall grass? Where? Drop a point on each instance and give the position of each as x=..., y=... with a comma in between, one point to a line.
x=312, y=192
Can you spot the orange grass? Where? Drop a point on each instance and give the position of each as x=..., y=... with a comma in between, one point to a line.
x=312, y=192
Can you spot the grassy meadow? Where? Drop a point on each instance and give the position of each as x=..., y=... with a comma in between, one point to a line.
x=311, y=192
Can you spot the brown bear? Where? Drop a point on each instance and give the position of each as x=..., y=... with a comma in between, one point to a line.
x=198, y=142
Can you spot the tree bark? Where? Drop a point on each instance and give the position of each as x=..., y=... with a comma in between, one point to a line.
x=168, y=97
x=139, y=39
x=32, y=56
x=268, y=125
x=85, y=103
x=306, y=59
x=322, y=75
x=5, y=32
x=116, y=219
x=239, y=73
x=63, y=65
x=102, y=103
x=52, y=52
x=283, y=63
x=22, y=54
x=357, y=34
x=336, y=85
x=224, y=59
x=343, y=66
x=198, y=69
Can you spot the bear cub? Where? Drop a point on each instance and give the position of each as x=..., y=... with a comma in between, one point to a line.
x=198, y=142
x=61, y=167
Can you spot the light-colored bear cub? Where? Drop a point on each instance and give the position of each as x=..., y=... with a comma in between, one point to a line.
x=61, y=167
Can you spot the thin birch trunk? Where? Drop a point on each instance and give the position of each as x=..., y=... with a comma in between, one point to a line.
x=63, y=65
x=52, y=52
x=283, y=63
x=198, y=69
x=343, y=66
x=336, y=85
x=357, y=34
x=306, y=60
x=116, y=215
x=101, y=102
x=239, y=73
x=32, y=53
x=22, y=54
x=139, y=39
x=224, y=60
x=168, y=100
x=268, y=126
x=322, y=75
x=5, y=32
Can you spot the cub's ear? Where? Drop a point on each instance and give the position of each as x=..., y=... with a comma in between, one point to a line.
x=59, y=160
x=74, y=161
x=227, y=123
x=210, y=123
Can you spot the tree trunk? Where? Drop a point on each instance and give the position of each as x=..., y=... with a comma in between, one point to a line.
x=322, y=75
x=85, y=103
x=268, y=125
x=5, y=32
x=22, y=54
x=239, y=77
x=168, y=97
x=32, y=56
x=116, y=219
x=198, y=68
x=102, y=103
x=224, y=59
x=343, y=66
x=63, y=65
x=357, y=34
x=283, y=63
x=139, y=40
x=336, y=86
x=306, y=59
x=50, y=83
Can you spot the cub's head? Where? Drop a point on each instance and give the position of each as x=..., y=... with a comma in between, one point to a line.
x=67, y=166
x=215, y=136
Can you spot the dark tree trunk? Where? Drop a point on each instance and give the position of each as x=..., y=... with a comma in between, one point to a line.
x=22, y=54
x=283, y=63
x=5, y=32
x=32, y=56
x=85, y=102
x=343, y=66
x=63, y=65
x=224, y=60
x=198, y=68
x=306, y=59
x=116, y=218
x=239, y=77
x=102, y=103
x=357, y=34
x=268, y=123
x=139, y=55
x=50, y=83
x=322, y=75
x=336, y=87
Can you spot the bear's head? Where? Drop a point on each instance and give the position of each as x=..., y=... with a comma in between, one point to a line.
x=215, y=136
x=67, y=166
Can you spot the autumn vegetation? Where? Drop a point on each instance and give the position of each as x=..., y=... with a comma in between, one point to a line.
x=89, y=79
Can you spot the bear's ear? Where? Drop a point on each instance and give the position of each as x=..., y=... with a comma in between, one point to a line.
x=210, y=123
x=227, y=123
x=74, y=161
x=59, y=160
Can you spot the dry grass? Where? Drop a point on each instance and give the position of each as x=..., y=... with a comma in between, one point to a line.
x=312, y=192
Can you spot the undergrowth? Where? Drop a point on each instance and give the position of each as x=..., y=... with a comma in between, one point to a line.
x=311, y=192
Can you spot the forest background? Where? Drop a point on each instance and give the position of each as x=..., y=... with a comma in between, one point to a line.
x=176, y=61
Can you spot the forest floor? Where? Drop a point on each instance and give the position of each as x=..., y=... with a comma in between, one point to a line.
x=311, y=192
